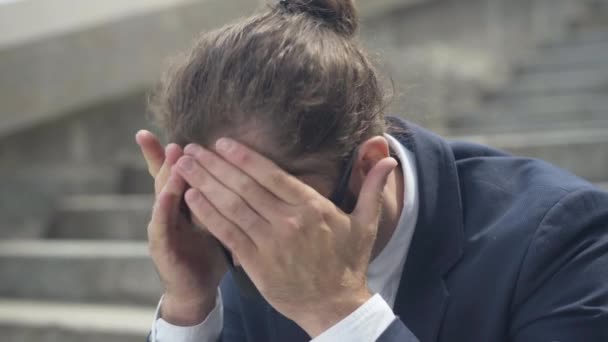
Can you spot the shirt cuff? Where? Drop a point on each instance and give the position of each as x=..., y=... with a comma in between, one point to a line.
x=365, y=324
x=207, y=331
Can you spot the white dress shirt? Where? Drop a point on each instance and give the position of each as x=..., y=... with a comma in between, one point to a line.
x=370, y=320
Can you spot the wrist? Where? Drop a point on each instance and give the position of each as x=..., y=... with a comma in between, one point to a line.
x=187, y=311
x=331, y=312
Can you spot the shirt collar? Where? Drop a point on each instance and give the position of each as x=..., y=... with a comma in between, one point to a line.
x=401, y=238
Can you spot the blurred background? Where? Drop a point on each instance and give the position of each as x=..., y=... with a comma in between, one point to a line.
x=528, y=76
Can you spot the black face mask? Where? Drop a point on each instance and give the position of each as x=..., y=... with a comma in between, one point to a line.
x=338, y=197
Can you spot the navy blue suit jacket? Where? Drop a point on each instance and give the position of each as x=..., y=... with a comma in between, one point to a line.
x=505, y=249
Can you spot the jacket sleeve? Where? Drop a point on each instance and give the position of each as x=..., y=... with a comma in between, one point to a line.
x=562, y=289
x=397, y=332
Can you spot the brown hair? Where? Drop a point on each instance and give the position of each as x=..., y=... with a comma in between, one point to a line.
x=294, y=75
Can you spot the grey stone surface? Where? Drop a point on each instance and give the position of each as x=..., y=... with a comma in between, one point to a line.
x=568, y=55
x=491, y=122
x=43, y=80
x=28, y=194
x=572, y=79
x=100, y=135
x=588, y=35
x=550, y=105
x=16, y=333
x=102, y=217
x=583, y=152
x=86, y=271
x=531, y=113
x=136, y=179
x=29, y=321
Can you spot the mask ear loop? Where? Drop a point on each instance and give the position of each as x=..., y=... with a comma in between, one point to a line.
x=339, y=193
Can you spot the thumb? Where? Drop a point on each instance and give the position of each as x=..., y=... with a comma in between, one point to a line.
x=368, y=205
x=152, y=150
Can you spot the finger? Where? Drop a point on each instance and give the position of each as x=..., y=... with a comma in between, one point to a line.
x=264, y=171
x=172, y=154
x=368, y=205
x=152, y=150
x=166, y=209
x=257, y=197
x=228, y=203
x=219, y=226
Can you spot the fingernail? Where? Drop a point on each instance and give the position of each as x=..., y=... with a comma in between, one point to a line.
x=186, y=164
x=224, y=144
x=193, y=150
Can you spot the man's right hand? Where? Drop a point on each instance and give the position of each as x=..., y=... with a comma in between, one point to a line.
x=188, y=259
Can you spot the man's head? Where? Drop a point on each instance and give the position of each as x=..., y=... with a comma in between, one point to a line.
x=292, y=83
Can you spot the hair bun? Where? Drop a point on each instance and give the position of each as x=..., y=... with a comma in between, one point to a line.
x=341, y=15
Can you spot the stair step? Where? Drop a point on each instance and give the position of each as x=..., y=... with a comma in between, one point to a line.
x=493, y=123
x=550, y=105
x=28, y=321
x=65, y=178
x=559, y=81
x=567, y=56
x=83, y=271
x=583, y=152
x=594, y=35
x=135, y=179
x=109, y=217
x=28, y=194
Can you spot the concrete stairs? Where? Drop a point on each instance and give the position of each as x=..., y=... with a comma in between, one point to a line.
x=27, y=321
x=82, y=271
x=555, y=106
x=563, y=85
x=85, y=275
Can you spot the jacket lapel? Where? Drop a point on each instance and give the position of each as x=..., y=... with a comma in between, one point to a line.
x=438, y=238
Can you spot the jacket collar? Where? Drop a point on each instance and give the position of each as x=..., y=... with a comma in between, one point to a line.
x=438, y=239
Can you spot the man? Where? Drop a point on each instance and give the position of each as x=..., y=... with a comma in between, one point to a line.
x=350, y=227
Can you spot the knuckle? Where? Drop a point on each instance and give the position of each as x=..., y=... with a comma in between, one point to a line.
x=316, y=209
x=277, y=179
x=241, y=156
x=234, y=206
x=245, y=185
x=316, y=205
x=231, y=237
x=293, y=223
x=252, y=223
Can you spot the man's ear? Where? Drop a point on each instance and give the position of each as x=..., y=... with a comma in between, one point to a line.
x=369, y=153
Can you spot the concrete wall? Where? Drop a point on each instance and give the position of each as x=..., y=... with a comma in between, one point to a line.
x=84, y=90
x=58, y=56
